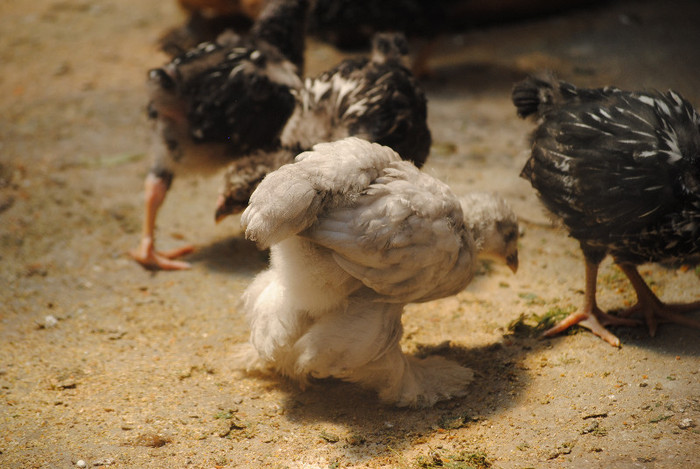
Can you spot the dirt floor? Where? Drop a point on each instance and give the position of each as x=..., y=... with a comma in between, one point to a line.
x=105, y=364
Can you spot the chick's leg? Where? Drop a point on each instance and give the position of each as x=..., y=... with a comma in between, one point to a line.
x=348, y=338
x=146, y=254
x=655, y=310
x=407, y=381
x=591, y=317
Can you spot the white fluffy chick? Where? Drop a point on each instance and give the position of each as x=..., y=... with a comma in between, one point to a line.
x=355, y=233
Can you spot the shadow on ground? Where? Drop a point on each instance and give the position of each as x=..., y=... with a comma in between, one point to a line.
x=370, y=426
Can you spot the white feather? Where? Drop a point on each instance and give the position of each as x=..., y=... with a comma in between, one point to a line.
x=674, y=152
x=649, y=101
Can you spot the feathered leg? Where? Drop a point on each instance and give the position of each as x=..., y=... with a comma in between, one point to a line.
x=275, y=324
x=348, y=338
x=406, y=381
x=591, y=317
x=146, y=254
x=655, y=310
x=360, y=344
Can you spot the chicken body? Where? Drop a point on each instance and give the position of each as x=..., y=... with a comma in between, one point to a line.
x=355, y=233
x=622, y=172
x=376, y=99
x=202, y=102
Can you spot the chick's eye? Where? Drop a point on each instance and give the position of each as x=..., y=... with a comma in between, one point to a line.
x=152, y=111
x=258, y=58
x=158, y=75
x=401, y=45
x=383, y=46
x=510, y=236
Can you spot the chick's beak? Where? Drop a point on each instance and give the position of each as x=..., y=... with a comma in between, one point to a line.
x=222, y=211
x=512, y=262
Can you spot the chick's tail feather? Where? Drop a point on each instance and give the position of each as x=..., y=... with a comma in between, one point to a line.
x=534, y=95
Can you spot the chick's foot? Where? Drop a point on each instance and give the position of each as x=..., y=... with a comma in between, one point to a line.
x=148, y=257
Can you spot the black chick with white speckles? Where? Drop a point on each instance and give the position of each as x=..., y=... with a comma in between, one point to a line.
x=375, y=98
x=202, y=103
x=622, y=171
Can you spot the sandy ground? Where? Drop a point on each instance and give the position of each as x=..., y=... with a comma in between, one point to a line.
x=136, y=371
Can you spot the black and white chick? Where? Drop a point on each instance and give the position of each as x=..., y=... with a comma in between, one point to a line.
x=355, y=233
x=621, y=170
x=375, y=98
x=206, y=106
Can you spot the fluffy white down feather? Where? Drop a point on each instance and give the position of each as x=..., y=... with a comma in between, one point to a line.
x=355, y=234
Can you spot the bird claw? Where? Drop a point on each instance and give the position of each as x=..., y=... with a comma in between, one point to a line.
x=657, y=312
x=595, y=322
x=178, y=252
x=606, y=319
x=149, y=258
x=591, y=323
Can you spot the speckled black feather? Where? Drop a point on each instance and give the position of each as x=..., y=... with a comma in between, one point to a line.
x=283, y=25
x=222, y=102
x=200, y=28
x=228, y=98
x=621, y=169
x=395, y=113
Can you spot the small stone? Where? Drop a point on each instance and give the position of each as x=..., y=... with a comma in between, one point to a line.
x=594, y=425
x=49, y=321
x=329, y=437
x=224, y=427
x=62, y=69
x=151, y=440
x=356, y=439
x=104, y=462
x=686, y=423
x=80, y=463
x=65, y=382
